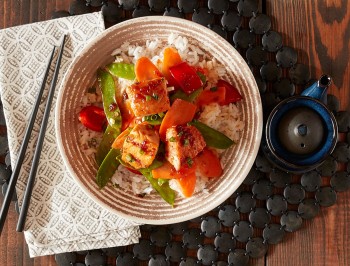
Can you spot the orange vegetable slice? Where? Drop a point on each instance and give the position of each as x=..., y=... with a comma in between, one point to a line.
x=210, y=96
x=146, y=70
x=166, y=171
x=171, y=58
x=208, y=164
x=181, y=112
x=187, y=183
x=119, y=141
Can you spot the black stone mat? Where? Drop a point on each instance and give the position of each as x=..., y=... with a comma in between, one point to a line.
x=270, y=203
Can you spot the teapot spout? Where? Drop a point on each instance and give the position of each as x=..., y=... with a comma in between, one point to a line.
x=318, y=90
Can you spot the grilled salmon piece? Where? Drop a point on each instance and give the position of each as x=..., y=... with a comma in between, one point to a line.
x=182, y=144
x=140, y=146
x=149, y=97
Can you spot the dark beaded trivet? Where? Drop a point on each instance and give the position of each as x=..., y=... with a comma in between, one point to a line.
x=270, y=202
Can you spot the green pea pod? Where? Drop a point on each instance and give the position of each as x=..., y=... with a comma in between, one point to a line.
x=212, y=137
x=109, y=136
x=108, y=167
x=110, y=105
x=164, y=190
x=184, y=96
x=122, y=70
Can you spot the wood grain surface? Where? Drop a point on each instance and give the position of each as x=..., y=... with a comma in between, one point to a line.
x=320, y=31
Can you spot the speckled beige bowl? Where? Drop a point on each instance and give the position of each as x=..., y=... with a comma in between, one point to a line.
x=81, y=75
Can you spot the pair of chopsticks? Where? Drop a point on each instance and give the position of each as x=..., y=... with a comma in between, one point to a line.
x=23, y=149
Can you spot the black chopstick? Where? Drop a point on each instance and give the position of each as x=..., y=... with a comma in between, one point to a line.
x=39, y=145
x=23, y=149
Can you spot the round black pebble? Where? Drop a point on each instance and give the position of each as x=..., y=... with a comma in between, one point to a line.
x=218, y=6
x=175, y=251
x=273, y=233
x=260, y=24
x=256, y=56
x=262, y=164
x=238, y=257
x=148, y=227
x=308, y=209
x=340, y=181
x=328, y=167
x=188, y=262
x=280, y=178
x=245, y=202
x=193, y=238
x=247, y=8
x=299, y=74
x=286, y=57
x=261, y=84
x=343, y=121
x=187, y=6
x=276, y=205
x=291, y=221
x=228, y=215
x=174, y=12
x=294, y=193
x=333, y=103
x=143, y=250
x=112, y=12
x=270, y=100
x=284, y=88
x=126, y=259
x=243, y=38
x=95, y=258
x=79, y=7
x=179, y=228
x=256, y=247
x=311, y=181
x=203, y=16
x=270, y=71
x=243, y=231
x=142, y=11
x=68, y=258
x=95, y=3
x=60, y=14
x=253, y=176
x=262, y=189
x=326, y=196
x=160, y=237
x=158, y=260
x=158, y=5
x=4, y=190
x=259, y=217
x=210, y=226
x=272, y=41
x=230, y=20
x=112, y=252
x=128, y=4
x=224, y=242
x=341, y=152
x=207, y=254
x=219, y=30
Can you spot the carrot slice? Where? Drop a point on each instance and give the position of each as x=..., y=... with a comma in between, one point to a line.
x=171, y=58
x=181, y=112
x=119, y=141
x=212, y=96
x=166, y=171
x=208, y=164
x=146, y=70
x=187, y=183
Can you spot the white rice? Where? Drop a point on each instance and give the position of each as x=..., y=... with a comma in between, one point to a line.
x=226, y=119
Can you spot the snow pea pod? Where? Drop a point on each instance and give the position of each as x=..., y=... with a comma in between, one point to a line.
x=108, y=167
x=164, y=190
x=212, y=137
x=109, y=136
x=110, y=105
x=122, y=70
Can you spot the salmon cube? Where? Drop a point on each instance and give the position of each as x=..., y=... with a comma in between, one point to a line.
x=140, y=146
x=148, y=97
x=182, y=144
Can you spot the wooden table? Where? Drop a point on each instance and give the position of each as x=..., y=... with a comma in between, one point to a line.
x=320, y=31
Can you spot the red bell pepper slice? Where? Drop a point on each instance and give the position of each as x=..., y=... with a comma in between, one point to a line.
x=212, y=96
x=232, y=95
x=93, y=117
x=186, y=77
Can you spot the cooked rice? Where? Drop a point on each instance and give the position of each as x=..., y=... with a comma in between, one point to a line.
x=226, y=119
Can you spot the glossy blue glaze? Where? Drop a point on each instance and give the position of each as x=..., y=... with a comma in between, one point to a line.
x=318, y=90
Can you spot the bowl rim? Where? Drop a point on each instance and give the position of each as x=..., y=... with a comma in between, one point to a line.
x=212, y=204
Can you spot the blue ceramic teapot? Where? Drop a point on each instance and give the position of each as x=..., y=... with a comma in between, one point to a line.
x=301, y=131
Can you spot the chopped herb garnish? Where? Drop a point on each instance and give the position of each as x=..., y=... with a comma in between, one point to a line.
x=180, y=133
x=202, y=77
x=161, y=115
x=148, y=98
x=172, y=139
x=129, y=158
x=189, y=161
x=213, y=88
x=155, y=96
x=142, y=152
x=186, y=142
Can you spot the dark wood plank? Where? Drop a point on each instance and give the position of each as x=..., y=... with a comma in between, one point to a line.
x=320, y=31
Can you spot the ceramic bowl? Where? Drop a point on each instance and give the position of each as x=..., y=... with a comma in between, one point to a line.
x=82, y=74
